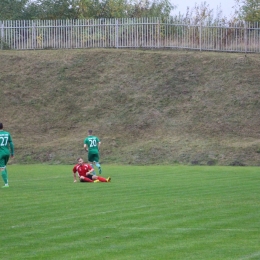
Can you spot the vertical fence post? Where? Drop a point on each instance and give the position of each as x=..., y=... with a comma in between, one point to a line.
x=245, y=38
x=158, y=33
x=71, y=32
x=116, y=33
x=2, y=35
x=200, y=37
x=34, y=40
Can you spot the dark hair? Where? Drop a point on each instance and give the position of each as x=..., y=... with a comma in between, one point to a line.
x=1, y=126
x=90, y=131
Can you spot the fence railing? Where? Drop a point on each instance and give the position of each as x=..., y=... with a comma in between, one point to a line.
x=129, y=33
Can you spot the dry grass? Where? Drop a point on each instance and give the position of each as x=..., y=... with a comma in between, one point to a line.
x=147, y=107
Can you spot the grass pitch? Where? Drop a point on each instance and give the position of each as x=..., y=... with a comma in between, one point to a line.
x=146, y=212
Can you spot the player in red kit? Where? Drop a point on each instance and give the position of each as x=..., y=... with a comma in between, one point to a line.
x=84, y=171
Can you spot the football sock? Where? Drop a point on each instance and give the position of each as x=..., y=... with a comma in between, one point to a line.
x=5, y=176
x=99, y=168
x=94, y=173
x=101, y=179
x=98, y=165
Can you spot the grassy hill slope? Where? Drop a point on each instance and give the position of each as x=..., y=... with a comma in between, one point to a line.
x=147, y=107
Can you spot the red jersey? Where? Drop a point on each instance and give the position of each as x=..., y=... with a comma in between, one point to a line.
x=83, y=169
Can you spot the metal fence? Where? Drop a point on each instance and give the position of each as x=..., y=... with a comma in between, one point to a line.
x=129, y=33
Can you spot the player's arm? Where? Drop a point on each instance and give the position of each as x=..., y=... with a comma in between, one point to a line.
x=11, y=146
x=85, y=147
x=98, y=143
x=74, y=174
x=90, y=170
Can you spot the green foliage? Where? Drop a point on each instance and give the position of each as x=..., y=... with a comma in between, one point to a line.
x=101, y=9
x=51, y=9
x=75, y=9
x=159, y=212
x=249, y=10
x=112, y=9
x=12, y=9
x=147, y=8
x=4, y=45
x=122, y=8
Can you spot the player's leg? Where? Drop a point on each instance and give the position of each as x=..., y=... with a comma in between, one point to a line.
x=96, y=159
x=3, y=161
x=85, y=179
x=4, y=177
x=99, y=167
x=91, y=162
x=102, y=179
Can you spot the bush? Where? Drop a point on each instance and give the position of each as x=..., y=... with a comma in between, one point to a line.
x=4, y=45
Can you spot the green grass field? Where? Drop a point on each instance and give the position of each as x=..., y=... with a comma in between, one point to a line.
x=146, y=212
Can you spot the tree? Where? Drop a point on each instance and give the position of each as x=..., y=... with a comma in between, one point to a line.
x=249, y=10
x=146, y=8
x=100, y=9
x=51, y=9
x=123, y=8
x=12, y=9
x=88, y=9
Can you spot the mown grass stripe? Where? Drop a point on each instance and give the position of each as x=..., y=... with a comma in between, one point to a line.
x=188, y=213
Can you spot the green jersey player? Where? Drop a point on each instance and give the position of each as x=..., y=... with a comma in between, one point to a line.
x=6, y=143
x=92, y=146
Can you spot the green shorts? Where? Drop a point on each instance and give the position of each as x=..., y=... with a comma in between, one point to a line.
x=93, y=157
x=4, y=158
